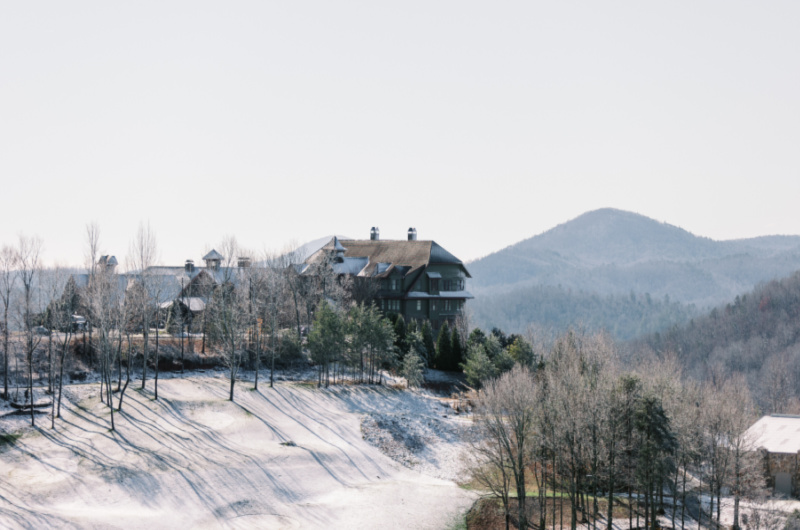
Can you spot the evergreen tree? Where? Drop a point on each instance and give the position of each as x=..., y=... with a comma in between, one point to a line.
x=444, y=350
x=416, y=345
x=501, y=336
x=656, y=447
x=478, y=368
x=457, y=350
x=427, y=338
x=413, y=369
x=370, y=343
x=493, y=347
x=400, y=336
x=522, y=352
x=476, y=336
x=326, y=341
x=503, y=362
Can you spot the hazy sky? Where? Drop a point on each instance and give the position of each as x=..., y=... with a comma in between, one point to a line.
x=479, y=123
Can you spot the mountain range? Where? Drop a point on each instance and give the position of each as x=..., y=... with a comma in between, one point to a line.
x=612, y=254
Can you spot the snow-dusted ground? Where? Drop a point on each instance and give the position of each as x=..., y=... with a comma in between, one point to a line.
x=289, y=457
x=423, y=434
x=769, y=511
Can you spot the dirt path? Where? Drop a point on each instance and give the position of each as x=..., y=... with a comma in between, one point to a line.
x=291, y=457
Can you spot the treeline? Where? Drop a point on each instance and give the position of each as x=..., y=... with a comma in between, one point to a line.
x=355, y=344
x=757, y=335
x=574, y=418
x=558, y=308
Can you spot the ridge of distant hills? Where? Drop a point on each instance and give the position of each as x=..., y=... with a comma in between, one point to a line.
x=610, y=254
x=756, y=335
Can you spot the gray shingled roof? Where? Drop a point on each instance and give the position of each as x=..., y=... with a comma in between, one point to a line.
x=411, y=254
x=350, y=266
x=213, y=255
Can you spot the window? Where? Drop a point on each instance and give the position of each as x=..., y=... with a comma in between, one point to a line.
x=419, y=305
x=453, y=284
x=433, y=305
x=447, y=305
x=434, y=284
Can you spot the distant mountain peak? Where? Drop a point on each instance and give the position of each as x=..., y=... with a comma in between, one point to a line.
x=609, y=235
x=615, y=251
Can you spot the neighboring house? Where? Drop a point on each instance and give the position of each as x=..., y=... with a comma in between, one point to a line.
x=187, y=286
x=778, y=436
x=105, y=263
x=417, y=279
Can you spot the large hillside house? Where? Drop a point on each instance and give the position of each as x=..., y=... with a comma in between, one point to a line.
x=417, y=279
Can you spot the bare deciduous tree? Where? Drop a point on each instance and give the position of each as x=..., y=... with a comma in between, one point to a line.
x=8, y=279
x=142, y=255
x=273, y=282
x=63, y=307
x=229, y=311
x=106, y=298
x=28, y=252
x=506, y=415
x=92, y=257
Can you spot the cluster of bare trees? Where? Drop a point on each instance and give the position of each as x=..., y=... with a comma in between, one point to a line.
x=609, y=436
x=19, y=291
x=38, y=308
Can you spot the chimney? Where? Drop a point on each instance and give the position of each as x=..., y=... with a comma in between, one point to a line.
x=189, y=266
x=375, y=234
x=244, y=262
x=412, y=234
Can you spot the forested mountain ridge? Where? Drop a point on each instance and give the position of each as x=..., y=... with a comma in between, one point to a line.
x=556, y=308
x=613, y=252
x=757, y=335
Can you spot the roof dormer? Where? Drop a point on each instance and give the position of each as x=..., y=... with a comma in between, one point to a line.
x=213, y=260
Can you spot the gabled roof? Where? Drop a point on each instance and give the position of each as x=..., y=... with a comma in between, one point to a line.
x=777, y=433
x=213, y=255
x=412, y=255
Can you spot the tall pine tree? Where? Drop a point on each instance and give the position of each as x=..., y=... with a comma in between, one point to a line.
x=427, y=339
x=400, y=336
x=444, y=349
x=457, y=350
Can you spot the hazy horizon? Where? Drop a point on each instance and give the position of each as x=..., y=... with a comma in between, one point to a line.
x=479, y=124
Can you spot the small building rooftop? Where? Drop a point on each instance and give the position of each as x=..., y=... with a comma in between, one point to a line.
x=777, y=433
